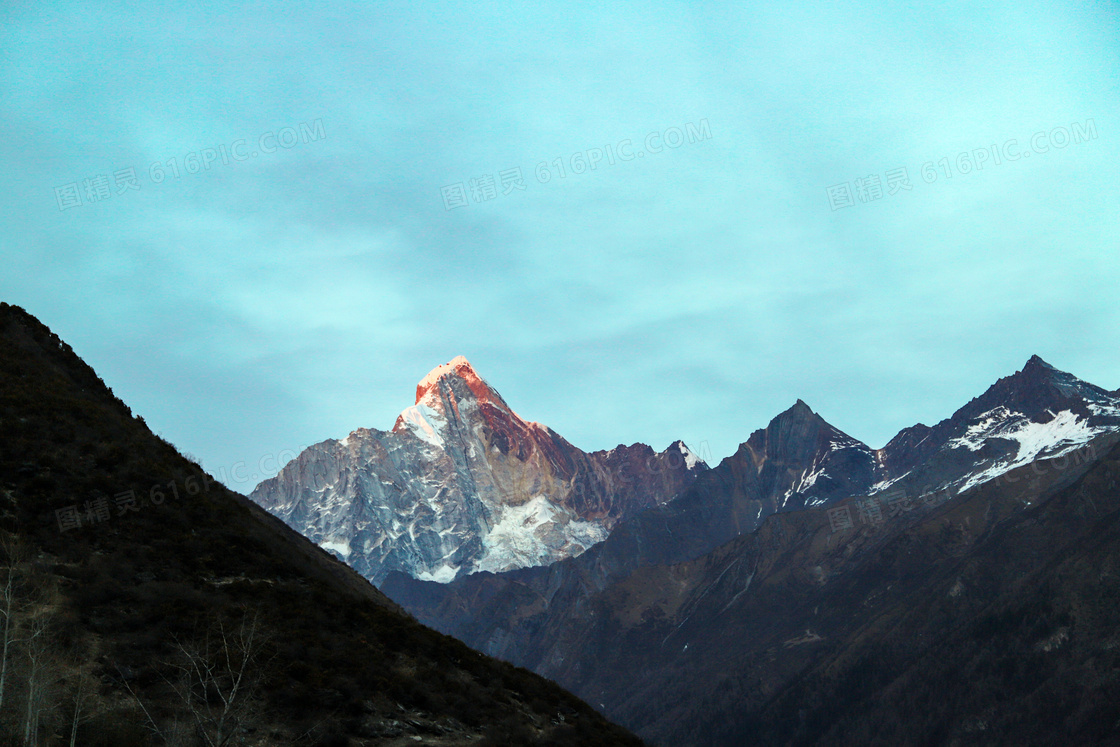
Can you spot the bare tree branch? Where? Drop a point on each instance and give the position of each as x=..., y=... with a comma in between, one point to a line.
x=218, y=677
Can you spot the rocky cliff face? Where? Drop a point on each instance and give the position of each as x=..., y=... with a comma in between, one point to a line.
x=463, y=484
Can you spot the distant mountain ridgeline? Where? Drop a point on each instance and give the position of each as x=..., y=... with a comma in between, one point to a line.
x=811, y=590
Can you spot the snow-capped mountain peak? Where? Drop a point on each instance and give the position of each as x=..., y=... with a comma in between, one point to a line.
x=802, y=460
x=453, y=393
x=439, y=381
x=462, y=483
x=691, y=460
x=1036, y=412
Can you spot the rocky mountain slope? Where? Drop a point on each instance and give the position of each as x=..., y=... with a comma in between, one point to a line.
x=462, y=484
x=699, y=621
x=142, y=603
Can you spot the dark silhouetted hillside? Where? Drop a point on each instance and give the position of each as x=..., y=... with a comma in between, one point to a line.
x=146, y=604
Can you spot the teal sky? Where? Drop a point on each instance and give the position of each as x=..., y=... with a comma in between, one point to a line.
x=264, y=304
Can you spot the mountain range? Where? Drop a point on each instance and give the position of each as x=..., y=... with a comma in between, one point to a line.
x=959, y=586
x=792, y=592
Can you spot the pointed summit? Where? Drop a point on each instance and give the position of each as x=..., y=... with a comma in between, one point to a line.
x=798, y=412
x=1034, y=408
x=461, y=484
x=692, y=460
x=1040, y=385
x=457, y=366
x=1039, y=372
x=800, y=408
x=1036, y=362
x=800, y=436
x=428, y=391
x=451, y=392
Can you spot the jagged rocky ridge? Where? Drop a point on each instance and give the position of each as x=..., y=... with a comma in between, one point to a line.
x=463, y=484
x=679, y=578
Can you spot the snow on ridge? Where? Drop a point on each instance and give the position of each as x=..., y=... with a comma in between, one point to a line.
x=841, y=441
x=690, y=458
x=425, y=423
x=989, y=425
x=444, y=368
x=1035, y=438
x=807, y=481
x=882, y=485
x=1105, y=410
x=1065, y=433
x=804, y=482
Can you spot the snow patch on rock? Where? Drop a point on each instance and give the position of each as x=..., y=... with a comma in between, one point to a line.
x=1104, y=410
x=991, y=424
x=690, y=459
x=1055, y=438
x=445, y=574
x=339, y=547
x=536, y=532
x=425, y=423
